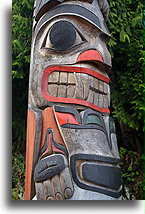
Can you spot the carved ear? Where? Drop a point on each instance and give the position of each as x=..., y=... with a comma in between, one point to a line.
x=104, y=7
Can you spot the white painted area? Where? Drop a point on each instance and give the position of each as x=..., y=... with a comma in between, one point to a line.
x=82, y=194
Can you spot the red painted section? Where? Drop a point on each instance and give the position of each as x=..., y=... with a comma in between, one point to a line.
x=50, y=122
x=90, y=55
x=49, y=145
x=51, y=148
x=31, y=129
x=55, y=150
x=64, y=118
x=72, y=69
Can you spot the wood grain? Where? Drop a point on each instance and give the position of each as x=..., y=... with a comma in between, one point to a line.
x=31, y=129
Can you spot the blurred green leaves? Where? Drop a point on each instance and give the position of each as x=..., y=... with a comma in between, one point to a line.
x=126, y=44
x=21, y=36
x=132, y=165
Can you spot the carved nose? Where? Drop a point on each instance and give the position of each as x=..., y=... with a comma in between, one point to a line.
x=90, y=55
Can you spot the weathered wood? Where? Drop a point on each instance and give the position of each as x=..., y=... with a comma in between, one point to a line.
x=101, y=86
x=71, y=78
x=101, y=100
x=106, y=86
x=31, y=129
x=85, y=83
x=62, y=90
x=90, y=96
x=105, y=101
x=71, y=91
x=57, y=188
x=40, y=191
x=63, y=77
x=79, y=87
x=96, y=99
x=53, y=77
x=95, y=83
x=53, y=90
x=49, y=193
x=66, y=183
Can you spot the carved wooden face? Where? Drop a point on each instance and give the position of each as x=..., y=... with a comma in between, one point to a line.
x=69, y=68
x=69, y=64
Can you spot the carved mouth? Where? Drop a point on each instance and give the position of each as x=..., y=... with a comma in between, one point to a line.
x=79, y=86
x=76, y=85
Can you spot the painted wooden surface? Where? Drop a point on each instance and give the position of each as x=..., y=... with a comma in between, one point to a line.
x=72, y=134
x=31, y=128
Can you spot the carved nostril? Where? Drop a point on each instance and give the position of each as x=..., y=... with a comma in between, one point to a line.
x=90, y=55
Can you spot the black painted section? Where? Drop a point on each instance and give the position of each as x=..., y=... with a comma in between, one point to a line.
x=81, y=184
x=102, y=175
x=70, y=111
x=62, y=35
x=56, y=144
x=75, y=126
x=95, y=122
x=48, y=167
x=89, y=157
x=74, y=10
x=44, y=6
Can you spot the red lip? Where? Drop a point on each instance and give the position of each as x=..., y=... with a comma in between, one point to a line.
x=72, y=69
x=90, y=55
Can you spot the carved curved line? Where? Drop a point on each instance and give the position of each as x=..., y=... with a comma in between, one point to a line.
x=69, y=110
x=74, y=10
x=42, y=4
x=74, y=126
x=46, y=143
x=57, y=145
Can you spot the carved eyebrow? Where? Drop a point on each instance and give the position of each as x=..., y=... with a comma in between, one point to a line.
x=43, y=6
x=75, y=10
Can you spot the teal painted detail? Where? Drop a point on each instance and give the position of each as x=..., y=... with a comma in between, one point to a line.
x=93, y=119
x=112, y=125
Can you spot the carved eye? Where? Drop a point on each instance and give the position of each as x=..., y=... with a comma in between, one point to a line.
x=63, y=36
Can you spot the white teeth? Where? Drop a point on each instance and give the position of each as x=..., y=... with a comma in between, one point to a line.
x=71, y=78
x=79, y=86
x=53, y=77
x=106, y=101
x=85, y=84
x=90, y=96
x=106, y=88
x=62, y=91
x=71, y=91
x=52, y=90
x=101, y=86
x=63, y=77
x=95, y=83
x=101, y=101
x=96, y=99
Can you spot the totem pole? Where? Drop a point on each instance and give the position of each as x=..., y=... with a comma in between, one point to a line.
x=72, y=151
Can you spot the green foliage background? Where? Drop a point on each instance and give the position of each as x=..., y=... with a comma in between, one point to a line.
x=126, y=47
